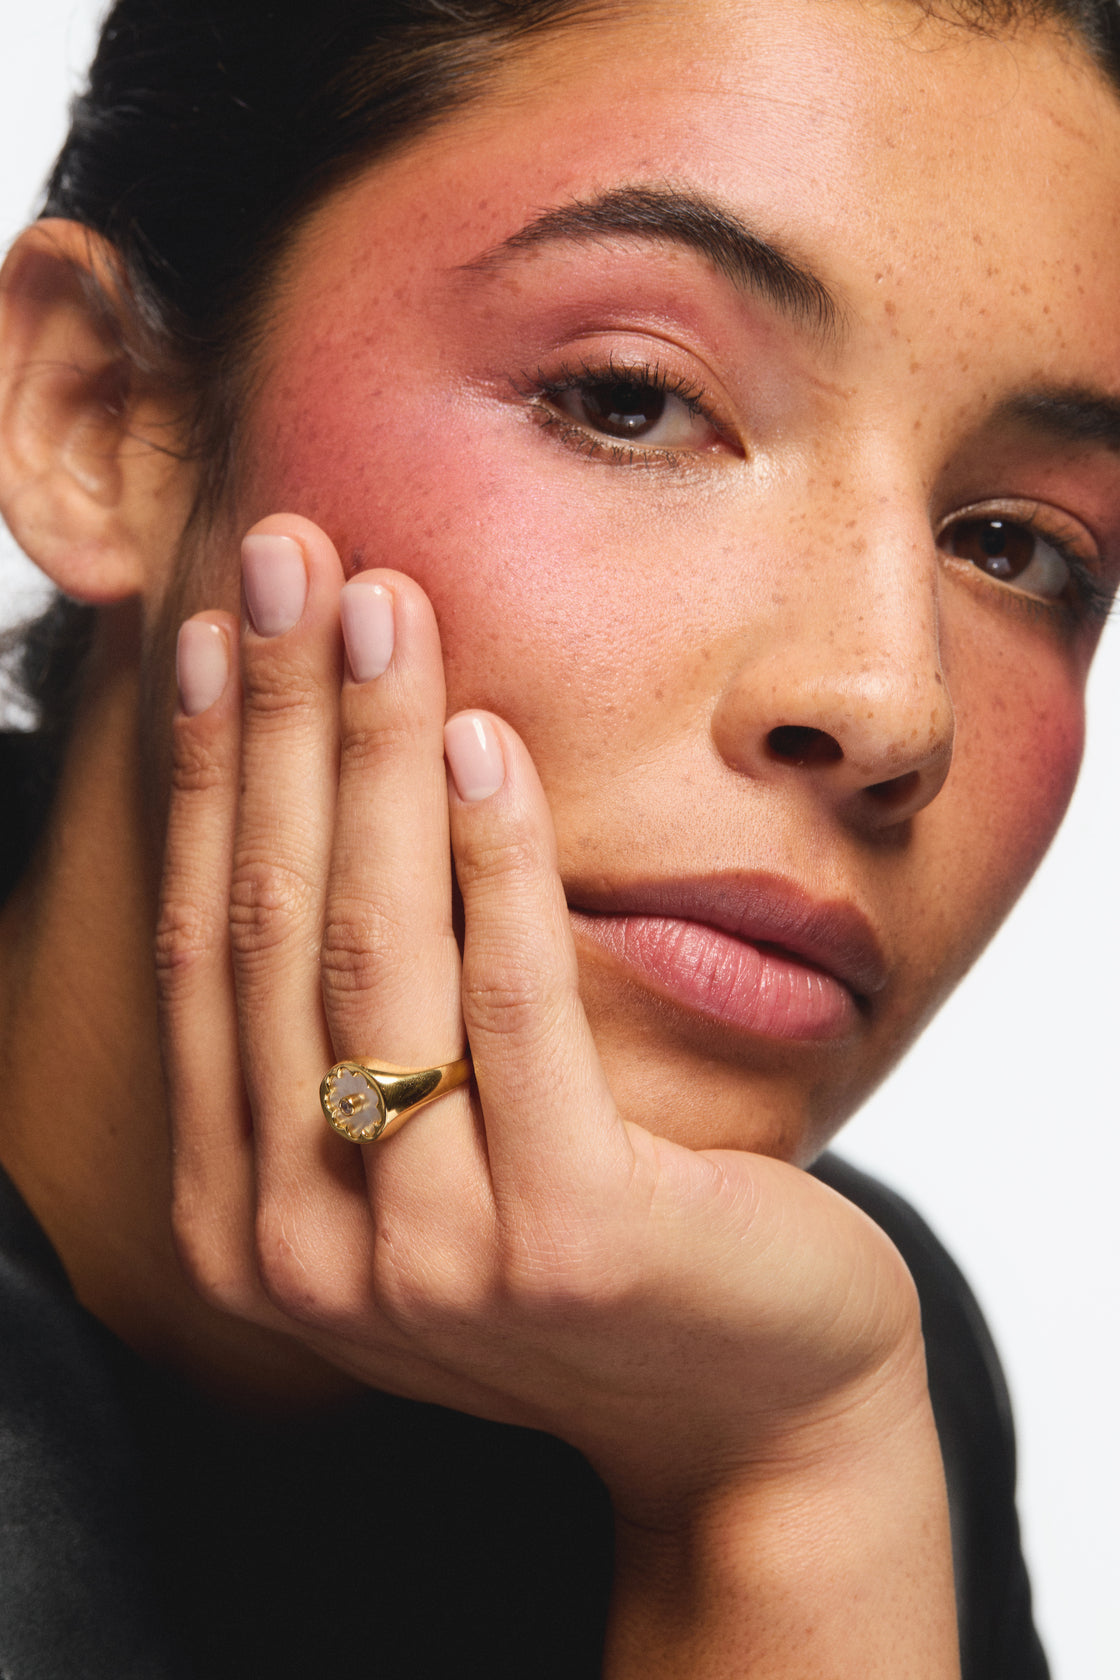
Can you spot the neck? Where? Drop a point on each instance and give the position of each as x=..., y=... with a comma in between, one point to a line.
x=83, y=1129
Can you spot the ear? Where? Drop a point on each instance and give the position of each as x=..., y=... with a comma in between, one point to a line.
x=92, y=483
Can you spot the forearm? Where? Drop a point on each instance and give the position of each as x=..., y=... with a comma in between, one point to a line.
x=842, y=1569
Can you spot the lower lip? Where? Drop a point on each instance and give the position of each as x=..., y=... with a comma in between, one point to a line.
x=750, y=987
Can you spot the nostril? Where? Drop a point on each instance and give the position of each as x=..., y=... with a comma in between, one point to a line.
x=898, y=791
x=805, y=748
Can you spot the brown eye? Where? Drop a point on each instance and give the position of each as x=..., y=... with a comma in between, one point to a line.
x=632, y=418
x=1009, y=551
x=619, y=409
x=999, y=547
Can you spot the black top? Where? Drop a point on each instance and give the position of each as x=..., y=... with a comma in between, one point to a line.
x=147, y=1534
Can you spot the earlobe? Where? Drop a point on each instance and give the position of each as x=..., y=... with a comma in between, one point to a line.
x=77, y=478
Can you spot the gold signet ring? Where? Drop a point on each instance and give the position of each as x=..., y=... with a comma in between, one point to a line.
x=366, y=1100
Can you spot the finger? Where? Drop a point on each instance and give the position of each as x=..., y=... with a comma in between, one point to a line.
x=290, y=660
x=390, y=960
x=213, y=1163
x=550, y=1118
x=391, y=970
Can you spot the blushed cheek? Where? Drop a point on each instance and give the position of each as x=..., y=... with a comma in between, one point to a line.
x=528, y=573
x=1019, y=753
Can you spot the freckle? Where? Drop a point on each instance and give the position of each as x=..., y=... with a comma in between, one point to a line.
x=890, y=307
x=659, y=694
x=915, y=367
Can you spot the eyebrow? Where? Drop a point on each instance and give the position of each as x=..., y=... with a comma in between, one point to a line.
x=1074, y=415
x=750, y=262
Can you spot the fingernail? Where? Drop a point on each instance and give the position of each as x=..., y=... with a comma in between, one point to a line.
x=201, y=664
x=475, y=756
x=274, y=574
x=367, y=627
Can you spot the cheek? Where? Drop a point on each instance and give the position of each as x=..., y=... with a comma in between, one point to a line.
x=539, y=569
x=1020, y=736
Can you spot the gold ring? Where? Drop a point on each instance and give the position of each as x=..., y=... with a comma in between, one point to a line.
x=366, y=1100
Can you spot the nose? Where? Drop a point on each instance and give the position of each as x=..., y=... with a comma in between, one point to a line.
x=840, y=685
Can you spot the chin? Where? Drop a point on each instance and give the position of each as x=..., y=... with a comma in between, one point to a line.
x=671, y=1078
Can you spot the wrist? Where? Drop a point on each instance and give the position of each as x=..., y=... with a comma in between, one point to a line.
x=829, y=1553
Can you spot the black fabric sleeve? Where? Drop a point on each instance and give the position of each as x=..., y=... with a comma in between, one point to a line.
x=973, y=1414
x=130, y=1509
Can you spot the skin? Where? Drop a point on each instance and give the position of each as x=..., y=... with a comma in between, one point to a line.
x=651, y=740
x=583, y=1242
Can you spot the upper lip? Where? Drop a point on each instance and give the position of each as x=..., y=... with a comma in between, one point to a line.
x=764, y=910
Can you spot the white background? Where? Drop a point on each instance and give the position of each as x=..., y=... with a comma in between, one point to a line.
x=1001, y=1126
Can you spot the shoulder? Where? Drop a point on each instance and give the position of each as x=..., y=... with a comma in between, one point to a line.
x=973, y=1413
x=74, y=1585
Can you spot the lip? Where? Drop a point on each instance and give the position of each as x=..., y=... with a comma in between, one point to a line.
x=753, y=951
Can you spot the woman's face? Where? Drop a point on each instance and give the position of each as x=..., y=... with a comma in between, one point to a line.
x=740, y=380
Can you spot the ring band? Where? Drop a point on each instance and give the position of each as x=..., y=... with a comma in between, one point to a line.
x=366, y=1100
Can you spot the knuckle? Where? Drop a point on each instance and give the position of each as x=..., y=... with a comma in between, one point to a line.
x=361, y=945
x=197, y=768
x=299, y=1277
x=184, y=938
x=269, y=903
x=495, y=859
x=504, y=999
x=284, y=1251
x=367, y=747
x=278, y=690
x=426, y=1293
x=214, y=1267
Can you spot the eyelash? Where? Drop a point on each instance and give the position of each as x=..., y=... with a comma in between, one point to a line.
x=538, y=387
x=1092, y=601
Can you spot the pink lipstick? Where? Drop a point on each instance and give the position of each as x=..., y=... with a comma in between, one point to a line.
x=752, y=951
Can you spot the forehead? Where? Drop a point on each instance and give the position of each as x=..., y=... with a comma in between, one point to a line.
x=938, y=179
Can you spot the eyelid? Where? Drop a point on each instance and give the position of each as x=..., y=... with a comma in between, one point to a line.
x=640, y=364
x=1067, y=535
x=1050, y=523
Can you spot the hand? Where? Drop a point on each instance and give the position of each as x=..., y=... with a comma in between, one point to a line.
x=734, y=1348
x=686, y=1319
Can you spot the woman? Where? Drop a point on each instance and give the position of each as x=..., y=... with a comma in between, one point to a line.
x=706, y=422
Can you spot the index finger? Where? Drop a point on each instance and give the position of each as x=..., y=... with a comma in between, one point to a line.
x=550, y=1117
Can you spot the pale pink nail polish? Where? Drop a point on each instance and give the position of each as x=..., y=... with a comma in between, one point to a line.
x=201, y=665
x=475, y=756
x=368, y=629
x=274, y=575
